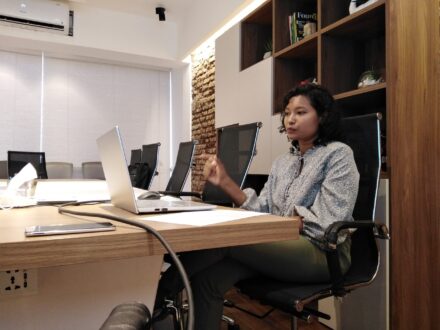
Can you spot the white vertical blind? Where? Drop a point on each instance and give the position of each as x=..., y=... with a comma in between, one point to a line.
x=20, y=95
x=82, y=101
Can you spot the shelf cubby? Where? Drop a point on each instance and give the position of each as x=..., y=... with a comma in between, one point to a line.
x=256, y=33
x=362, y=101
x=287, y=74
x=345, y=59
x=282, y=10
x=363, y=24
x=337, y=10
x=305, y=48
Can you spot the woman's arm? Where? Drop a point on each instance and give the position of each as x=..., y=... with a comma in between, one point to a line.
x=214, y=171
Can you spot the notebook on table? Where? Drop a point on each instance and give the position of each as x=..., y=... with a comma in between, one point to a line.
x=116, y=174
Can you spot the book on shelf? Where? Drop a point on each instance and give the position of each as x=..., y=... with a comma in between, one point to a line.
x=301, y=24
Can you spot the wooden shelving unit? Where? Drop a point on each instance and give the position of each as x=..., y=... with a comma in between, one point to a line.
x=401, y=40
x=256, y=33
x=343, y=47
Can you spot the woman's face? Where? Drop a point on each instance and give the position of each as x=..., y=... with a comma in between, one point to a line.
x=301, y=120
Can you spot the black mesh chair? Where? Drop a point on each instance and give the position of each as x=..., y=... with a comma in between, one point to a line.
x=184, y=162
x=18, y=159
x=150, y=156
x=236, y=148
x=136, y=156
x=363, y=136
x=135, y=159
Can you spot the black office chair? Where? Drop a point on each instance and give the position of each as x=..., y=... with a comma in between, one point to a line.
x=135, y=159
x=18, y=159
x=363, y=136
x=136, y=156
x=184, y=162
x=236, y=147
x=146, y=169
x=255, y=181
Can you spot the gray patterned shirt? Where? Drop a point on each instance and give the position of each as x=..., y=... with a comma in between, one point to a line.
x=321, y=186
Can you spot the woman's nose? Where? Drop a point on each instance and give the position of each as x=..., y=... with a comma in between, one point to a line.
x=291, y=118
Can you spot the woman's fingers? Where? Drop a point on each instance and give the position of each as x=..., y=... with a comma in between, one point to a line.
x=209, y=167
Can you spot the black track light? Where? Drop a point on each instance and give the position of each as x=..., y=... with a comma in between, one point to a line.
x=161, y=12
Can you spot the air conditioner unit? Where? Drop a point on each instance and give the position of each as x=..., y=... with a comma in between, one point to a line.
x=37, y=14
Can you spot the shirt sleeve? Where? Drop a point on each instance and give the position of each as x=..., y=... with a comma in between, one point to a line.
x=336, y=197
x=259, y=203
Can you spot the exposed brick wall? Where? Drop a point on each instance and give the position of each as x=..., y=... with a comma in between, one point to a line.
x=203, y=111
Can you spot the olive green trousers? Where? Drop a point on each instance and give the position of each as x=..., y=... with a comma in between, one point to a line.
x=213, y=272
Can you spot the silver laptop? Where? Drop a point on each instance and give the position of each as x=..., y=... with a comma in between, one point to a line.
x=115, y=168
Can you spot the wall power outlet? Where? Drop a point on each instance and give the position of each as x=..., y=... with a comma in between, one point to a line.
x=18, y=282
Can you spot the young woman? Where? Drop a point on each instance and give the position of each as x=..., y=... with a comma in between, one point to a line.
x=316, y=180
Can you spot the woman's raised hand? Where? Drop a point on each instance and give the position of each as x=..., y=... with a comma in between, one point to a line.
x=214, y=171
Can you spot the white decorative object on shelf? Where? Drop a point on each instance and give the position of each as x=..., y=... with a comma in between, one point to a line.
x=354, y=7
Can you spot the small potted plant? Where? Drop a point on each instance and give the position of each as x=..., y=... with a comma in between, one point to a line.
x=267, y=49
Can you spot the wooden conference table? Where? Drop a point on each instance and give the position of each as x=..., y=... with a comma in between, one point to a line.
x=75, y=280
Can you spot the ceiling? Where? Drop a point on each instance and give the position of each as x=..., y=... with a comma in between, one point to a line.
x=175, y=10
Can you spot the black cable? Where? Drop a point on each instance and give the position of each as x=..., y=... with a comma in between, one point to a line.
x=62, y=210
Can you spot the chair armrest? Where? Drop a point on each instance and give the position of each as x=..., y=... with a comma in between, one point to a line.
x=333, y=231
x=331, y=238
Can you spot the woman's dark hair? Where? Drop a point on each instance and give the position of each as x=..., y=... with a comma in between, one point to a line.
x=322, y=101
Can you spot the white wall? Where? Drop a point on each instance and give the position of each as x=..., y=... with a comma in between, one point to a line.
x=128, y=37
x=203, y=18
x=102, y=34
x=245, y=97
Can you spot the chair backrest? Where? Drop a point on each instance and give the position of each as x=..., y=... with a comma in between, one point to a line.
x=236, y=149
x=136, y=155
x=18, y=159
x=4, y=169
x=150, y=156
x=92, y=170
x=255, y=181
x=59, y=170
x=181, y=168
x=362, y=134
